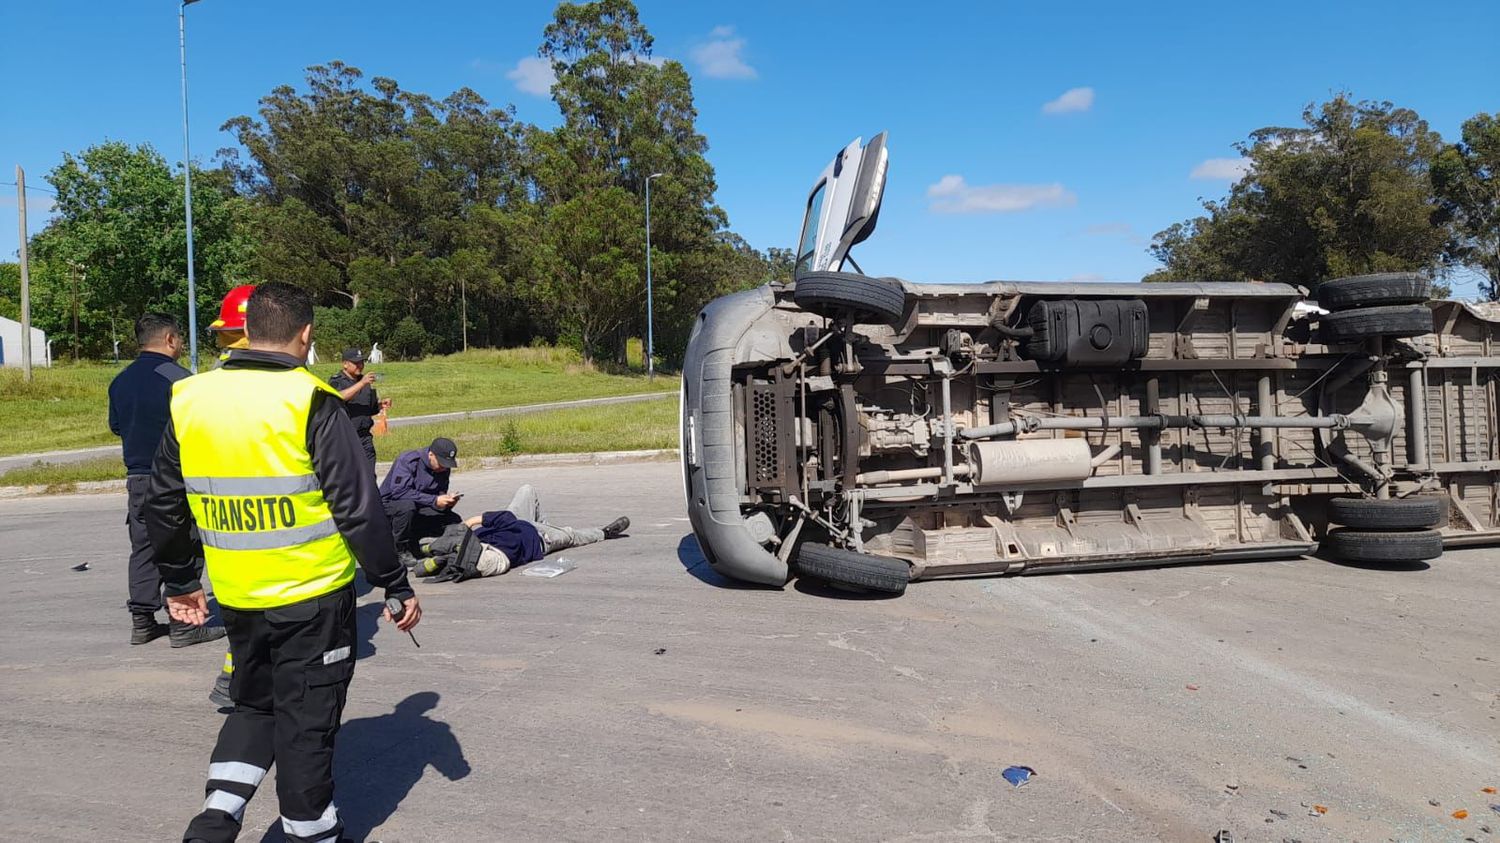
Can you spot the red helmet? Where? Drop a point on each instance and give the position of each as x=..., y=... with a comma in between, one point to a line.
x=232, y=311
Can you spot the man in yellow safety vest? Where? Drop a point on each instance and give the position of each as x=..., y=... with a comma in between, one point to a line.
x=260, y=455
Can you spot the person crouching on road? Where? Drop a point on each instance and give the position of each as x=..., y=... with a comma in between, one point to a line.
x=416, y=498
x=259, y=454
x=357, y=388
x=488, y=545
x=140, y=400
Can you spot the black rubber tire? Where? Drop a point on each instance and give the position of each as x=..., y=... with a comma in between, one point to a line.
x=1357, y=546
x=1374, y=291
x=1418, y=512
x=861, y=570
x=864, y=300
x=1397, y=320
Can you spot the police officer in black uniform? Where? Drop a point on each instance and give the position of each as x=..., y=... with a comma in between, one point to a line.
x=360, y=400
x=260, y=455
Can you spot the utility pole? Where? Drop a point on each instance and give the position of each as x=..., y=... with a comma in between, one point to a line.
x=25, y=278
x=650, y=333
x=187, y=191
x=463, y=286
x=74, y=270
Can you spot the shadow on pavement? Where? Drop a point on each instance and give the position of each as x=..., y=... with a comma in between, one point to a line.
x=380, y=759
x=818, y=588
x=366, y=619
x=1375, y=566
x=692, y=558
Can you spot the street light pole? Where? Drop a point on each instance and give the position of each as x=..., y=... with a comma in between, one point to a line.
x=650, y=328
x=187, y=189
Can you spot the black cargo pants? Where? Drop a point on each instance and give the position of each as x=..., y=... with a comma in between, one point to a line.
x=411, y=522
x=143, y=576
x=292, y=667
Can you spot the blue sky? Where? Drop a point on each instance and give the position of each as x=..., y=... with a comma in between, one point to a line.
x=1028, y=141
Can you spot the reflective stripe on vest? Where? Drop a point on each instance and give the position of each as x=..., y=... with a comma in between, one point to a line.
x=269, y=538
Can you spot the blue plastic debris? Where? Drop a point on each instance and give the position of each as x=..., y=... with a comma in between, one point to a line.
x=1018, y=776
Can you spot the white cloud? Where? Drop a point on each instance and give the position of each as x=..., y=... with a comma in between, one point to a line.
x=1073, y=99
x=721, y=57
x=532, y=75
x=952, y=195
x=1222, y=169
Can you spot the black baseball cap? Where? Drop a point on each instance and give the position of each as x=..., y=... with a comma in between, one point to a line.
x=353, y=355
x=445, y=451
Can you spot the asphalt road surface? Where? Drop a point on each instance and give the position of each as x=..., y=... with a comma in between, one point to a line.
x=639, y=697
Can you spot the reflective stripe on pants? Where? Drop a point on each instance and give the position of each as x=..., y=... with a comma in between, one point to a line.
x=289, y=697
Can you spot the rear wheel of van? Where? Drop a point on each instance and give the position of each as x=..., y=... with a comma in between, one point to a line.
x=1374, y=290
x=1418, y=512
x=1376, y=546
x=859, y=298
x=1399, y=320
x=857, y=570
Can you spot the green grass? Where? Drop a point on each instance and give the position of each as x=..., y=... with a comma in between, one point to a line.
x=63, y=407
x=60, y=477
x=67, y=406
x=616, y=427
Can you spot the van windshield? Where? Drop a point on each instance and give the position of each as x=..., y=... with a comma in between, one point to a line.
x=809, y=245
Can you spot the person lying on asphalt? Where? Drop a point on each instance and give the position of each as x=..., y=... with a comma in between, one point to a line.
x=490, y=544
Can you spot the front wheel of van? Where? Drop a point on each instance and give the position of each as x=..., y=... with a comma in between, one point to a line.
x=858, y=570
x=859, y=298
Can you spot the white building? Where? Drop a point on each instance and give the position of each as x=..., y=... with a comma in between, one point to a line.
x=10, y=345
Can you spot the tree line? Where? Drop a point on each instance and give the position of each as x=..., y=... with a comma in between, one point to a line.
x=431, y=224
x=1360, y=187
x=424, y=224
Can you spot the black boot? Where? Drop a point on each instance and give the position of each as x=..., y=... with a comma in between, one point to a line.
x=616, y=528
x=219, y=696
x=144, y=628
x=186, y=635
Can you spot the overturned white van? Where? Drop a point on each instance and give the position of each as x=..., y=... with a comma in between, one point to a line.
x=871, y=431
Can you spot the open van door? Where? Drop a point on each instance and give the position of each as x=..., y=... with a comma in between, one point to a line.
x=843, y=206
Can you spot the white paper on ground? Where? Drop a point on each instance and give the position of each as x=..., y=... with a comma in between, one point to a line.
x=553, y=568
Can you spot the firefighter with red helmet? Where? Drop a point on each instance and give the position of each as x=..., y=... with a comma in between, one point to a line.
x=229, y=333
x=229, y=328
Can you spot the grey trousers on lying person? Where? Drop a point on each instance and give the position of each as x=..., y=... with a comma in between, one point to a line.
x=526, y=506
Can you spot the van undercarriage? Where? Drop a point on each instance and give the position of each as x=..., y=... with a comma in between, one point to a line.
x=869, y=431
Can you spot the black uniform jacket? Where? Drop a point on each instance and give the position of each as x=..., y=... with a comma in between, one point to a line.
x=343, y=473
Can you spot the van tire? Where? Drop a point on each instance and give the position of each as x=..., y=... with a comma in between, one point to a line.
x=1356, y=546
x=1374, y=290
x=847, y=568
x=1398, y=320
x=864, y=300
x=1418, y=512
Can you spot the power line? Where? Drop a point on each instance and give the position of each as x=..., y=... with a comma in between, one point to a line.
x=29, y=187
